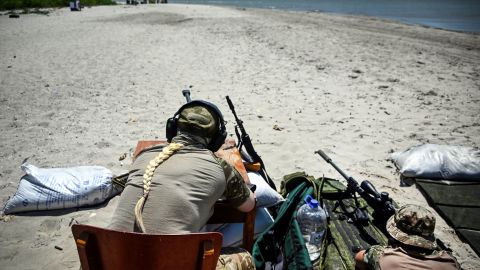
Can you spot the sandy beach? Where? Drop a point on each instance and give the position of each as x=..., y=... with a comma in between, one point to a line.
x=81, y=88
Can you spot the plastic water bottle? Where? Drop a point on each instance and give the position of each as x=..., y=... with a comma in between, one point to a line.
x=313, y=222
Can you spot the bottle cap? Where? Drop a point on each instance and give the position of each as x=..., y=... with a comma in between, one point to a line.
x=311, y=201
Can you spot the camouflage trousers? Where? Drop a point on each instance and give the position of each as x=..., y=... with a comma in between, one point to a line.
x=232, y=258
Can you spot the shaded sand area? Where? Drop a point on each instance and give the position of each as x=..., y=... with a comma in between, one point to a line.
x=80, y=88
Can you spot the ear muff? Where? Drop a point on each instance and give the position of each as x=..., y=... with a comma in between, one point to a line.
x=217, y=139
x=171, y=128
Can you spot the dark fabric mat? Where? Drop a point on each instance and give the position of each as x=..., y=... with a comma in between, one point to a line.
x=458, y=203
x=348, y=236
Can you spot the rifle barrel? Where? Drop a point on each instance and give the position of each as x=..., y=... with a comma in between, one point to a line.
x=329, y=160
x=186, y=94
x=230, y=105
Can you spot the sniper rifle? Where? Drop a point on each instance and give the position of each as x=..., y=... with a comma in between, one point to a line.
x=251, y=155
x=381, y=203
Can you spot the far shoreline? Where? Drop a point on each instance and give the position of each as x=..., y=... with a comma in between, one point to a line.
x=47, y=10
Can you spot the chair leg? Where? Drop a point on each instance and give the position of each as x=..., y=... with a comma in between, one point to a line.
x=207, y=255
x=88, y=252
x=249, y=230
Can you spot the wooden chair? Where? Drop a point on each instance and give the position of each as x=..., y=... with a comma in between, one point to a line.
x=222, y=213
x=103, y=249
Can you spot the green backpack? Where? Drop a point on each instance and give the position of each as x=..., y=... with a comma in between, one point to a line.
x=282, y=242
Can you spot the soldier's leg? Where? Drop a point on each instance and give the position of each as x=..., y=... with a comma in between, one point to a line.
x=232, y=258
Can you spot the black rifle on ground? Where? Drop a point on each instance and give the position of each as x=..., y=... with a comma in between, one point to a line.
x=381, y=203
x=251, y=155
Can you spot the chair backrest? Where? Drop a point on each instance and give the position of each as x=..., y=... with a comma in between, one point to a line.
x=222, y=213
x=142, y=145
x=104, y=249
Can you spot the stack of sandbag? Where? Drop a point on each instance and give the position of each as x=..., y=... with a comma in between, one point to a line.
x=433, y=161
x=61, y=188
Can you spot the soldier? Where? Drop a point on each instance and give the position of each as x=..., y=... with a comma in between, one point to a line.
x=413, y=245
x=177, y=185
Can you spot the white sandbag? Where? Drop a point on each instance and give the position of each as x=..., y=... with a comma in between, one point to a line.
x=233, y=232
x=432, y=161
x=60, y=188
x=266, y=196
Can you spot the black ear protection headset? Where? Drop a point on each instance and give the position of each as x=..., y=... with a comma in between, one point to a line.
x=218, y=138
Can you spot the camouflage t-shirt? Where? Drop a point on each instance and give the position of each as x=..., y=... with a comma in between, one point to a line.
x=183, y=191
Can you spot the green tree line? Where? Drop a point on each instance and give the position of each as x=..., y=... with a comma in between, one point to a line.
x=21, y=4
